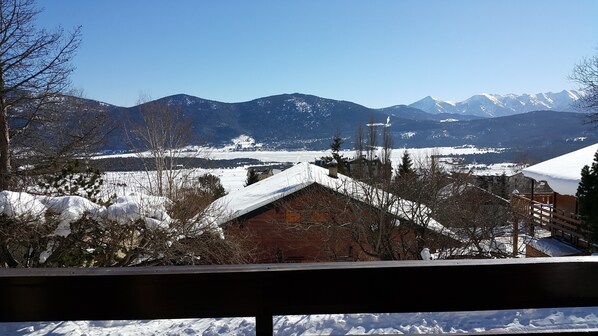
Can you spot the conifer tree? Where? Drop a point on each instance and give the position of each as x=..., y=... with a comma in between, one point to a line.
x=252, y=177
x=502, y=187
x=406, y=165
x=336, y=143
x=587, y=196
x=335, y=146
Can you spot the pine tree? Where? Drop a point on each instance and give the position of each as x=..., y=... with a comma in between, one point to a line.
x=337, y=141
x=502, y=188
x=587, y=197
x=335, y=146
x=406, y=165
x=252, y=177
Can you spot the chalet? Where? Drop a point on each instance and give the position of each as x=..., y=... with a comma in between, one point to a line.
x=309, y=213
x=555, y=211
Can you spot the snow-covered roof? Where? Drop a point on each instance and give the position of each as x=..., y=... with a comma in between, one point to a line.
x=240, y=202
x=563, y=173
x=553, y=247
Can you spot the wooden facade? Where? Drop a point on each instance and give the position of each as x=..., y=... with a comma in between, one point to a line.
x=319, y=225
x=566, y=203
x=531, y=252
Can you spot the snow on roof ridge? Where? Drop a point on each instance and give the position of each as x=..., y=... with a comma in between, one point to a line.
x=563, y=173
x=243, y=201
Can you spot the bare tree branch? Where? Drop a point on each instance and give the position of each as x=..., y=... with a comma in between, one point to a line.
x=34, y=70
x=585, y=73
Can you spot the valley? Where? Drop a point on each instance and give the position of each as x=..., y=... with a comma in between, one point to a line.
x=307, y=123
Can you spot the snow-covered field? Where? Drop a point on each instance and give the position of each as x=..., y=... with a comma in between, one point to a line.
x=234, y=178
x=417, y=154
x=124, y=183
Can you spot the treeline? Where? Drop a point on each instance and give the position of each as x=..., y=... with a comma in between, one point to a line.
x=140, y=164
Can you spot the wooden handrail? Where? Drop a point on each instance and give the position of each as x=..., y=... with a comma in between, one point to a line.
x=553, y=219
x=264, y=291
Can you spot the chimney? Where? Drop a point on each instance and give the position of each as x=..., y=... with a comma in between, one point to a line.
x=333, y=169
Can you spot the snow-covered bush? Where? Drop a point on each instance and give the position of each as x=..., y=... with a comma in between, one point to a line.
x=21, y=205
x=135, y=229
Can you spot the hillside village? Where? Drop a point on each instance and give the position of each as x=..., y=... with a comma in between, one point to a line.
x=57, y=211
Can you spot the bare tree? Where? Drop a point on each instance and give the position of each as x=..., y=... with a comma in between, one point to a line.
x=34, y=69
x=163, y=130
x=385, y=154
x=357, y=167
x=372, y=162
x=372, y=139
x=71, y=128
x=431, y=208
x=479, y=217
x=585, y=73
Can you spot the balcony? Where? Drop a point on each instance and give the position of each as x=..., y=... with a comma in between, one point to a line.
x=321, y=288
x=541, y=212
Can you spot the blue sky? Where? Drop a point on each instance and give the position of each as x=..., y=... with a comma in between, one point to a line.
x=375, y=53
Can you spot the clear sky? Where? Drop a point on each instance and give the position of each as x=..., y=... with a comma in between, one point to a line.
x=375, y=53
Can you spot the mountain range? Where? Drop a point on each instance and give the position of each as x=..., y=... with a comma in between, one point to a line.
x=494, y=105
x=299, y=121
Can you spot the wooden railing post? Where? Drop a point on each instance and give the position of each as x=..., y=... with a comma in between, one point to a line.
x=531, y=208
x=264, y=325
x=515, y=233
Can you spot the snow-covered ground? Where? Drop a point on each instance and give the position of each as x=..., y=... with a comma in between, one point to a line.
x=417, y=154
x=502, y=321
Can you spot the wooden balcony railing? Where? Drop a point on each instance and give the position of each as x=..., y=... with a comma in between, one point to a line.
x=559, y=222
x=264, y=291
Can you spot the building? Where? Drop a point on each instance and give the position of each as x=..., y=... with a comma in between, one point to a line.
x=555, y=211
x=309, y=213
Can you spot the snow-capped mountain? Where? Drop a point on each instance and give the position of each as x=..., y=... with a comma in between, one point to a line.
x=433, y=105
x=495, y=105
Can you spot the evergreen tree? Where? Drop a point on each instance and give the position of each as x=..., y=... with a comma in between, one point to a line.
x=587, y=196
x=337, y=141
x=335, y=146
x=73, y=179
x=406, y=165
x=211, y=187
x=252, y=177
x=502, y=187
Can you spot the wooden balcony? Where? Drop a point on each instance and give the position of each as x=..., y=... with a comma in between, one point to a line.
x=544, y=214
x=264, y=291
